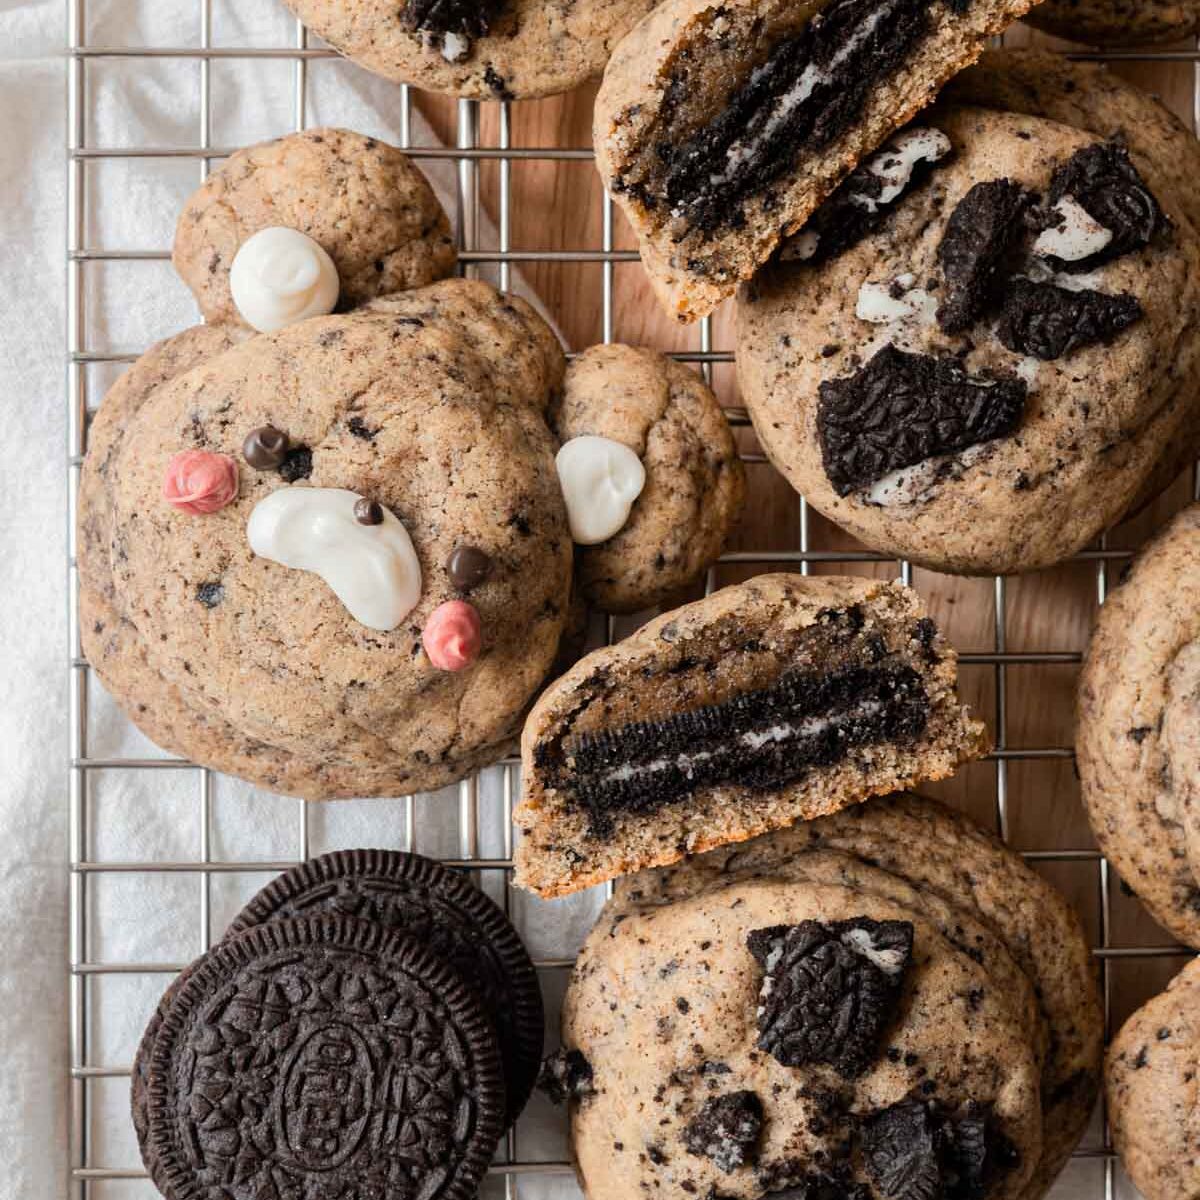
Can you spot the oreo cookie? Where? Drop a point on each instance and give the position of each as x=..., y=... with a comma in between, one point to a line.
x=323, y=1056
x=441, y=909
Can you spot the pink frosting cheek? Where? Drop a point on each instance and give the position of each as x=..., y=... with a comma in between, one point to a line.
x=199, y=481
x=453, y=635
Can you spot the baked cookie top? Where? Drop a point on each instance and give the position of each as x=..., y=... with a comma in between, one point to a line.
x=772, y=1033
x=371, y=452
x=694, y=480
x=928, y=857
x=1138, y=737
x=483, y=49
x=1152, y=1088
x=958, y=361
x=361, y=200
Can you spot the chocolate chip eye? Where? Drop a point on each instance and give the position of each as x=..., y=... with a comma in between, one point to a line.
x=468, y=567
x=368, y=512
x=265, y=448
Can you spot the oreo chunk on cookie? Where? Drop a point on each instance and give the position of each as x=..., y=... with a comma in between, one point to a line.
x=726, y=1130
x=1048, y=321
x=829, y=991
x=979, y=237
x=323, y=1056
x=1102, y=181
x=441, y=909
x=901, y=409
x=915, y=1151
x=765, y=703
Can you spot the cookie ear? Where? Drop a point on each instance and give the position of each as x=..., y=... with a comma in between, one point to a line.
x=350, y=211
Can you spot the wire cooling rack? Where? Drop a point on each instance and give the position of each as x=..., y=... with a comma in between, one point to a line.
x=478, y=808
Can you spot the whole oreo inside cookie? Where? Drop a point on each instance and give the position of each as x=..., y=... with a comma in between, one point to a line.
x=323, y=1056
x=440, y=908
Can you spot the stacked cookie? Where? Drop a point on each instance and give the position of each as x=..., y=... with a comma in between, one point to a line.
x=370, y=1023
x=882, y=1003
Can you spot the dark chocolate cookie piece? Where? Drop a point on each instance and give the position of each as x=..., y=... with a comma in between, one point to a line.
x=1102, y=179
x=440, y=908
x=566, y=1075
x=901, y=409
x=323, y=1057
x=1048, y=321
x=467, y=18
x=978, y=238
x=829, y=991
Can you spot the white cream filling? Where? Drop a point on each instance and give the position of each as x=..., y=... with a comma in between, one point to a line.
x=751, y=739
x=889, y=960
x=915, y=484
x=1079, y=235
x=739, y=153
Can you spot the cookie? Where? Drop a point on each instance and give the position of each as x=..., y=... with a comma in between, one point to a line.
x=768, y=702
x=493, y=50
x=694, y=485
x=916, y=852
x=772, y=1034
x=1118, y=22
x=719, y=129
x=356, y=662
x=1151, y=1088
x=1138, y=731
x=959, y=362
x=323, y=1053
x=417, y=897
x=361, y=200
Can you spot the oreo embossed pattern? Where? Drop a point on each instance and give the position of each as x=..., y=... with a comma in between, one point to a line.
x=369, y=1025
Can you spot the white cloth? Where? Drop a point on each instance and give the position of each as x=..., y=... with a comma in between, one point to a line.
x=148, y=815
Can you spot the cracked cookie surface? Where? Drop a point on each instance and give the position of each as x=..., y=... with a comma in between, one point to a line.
x=1138, y=733
x=1070, y=388
x=431, y=402
x=1152, y=1086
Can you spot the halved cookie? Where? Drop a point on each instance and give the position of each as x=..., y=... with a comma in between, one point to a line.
x=720, y=127
x=768, y=702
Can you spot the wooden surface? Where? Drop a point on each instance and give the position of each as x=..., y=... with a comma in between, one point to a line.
x=558, y=206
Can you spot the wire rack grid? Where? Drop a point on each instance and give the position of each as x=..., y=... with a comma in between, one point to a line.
x=87, y=1176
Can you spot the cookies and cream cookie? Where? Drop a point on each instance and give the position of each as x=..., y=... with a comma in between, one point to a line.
x=767, y=702
x=372, y=608
x=1151, y=1086
x=797, y=1025
x=981, y=348
x=307, y=223
x=481, y=49
x=693, y=481
x=982, y=897
x=719, y=128
x=1138, y=736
